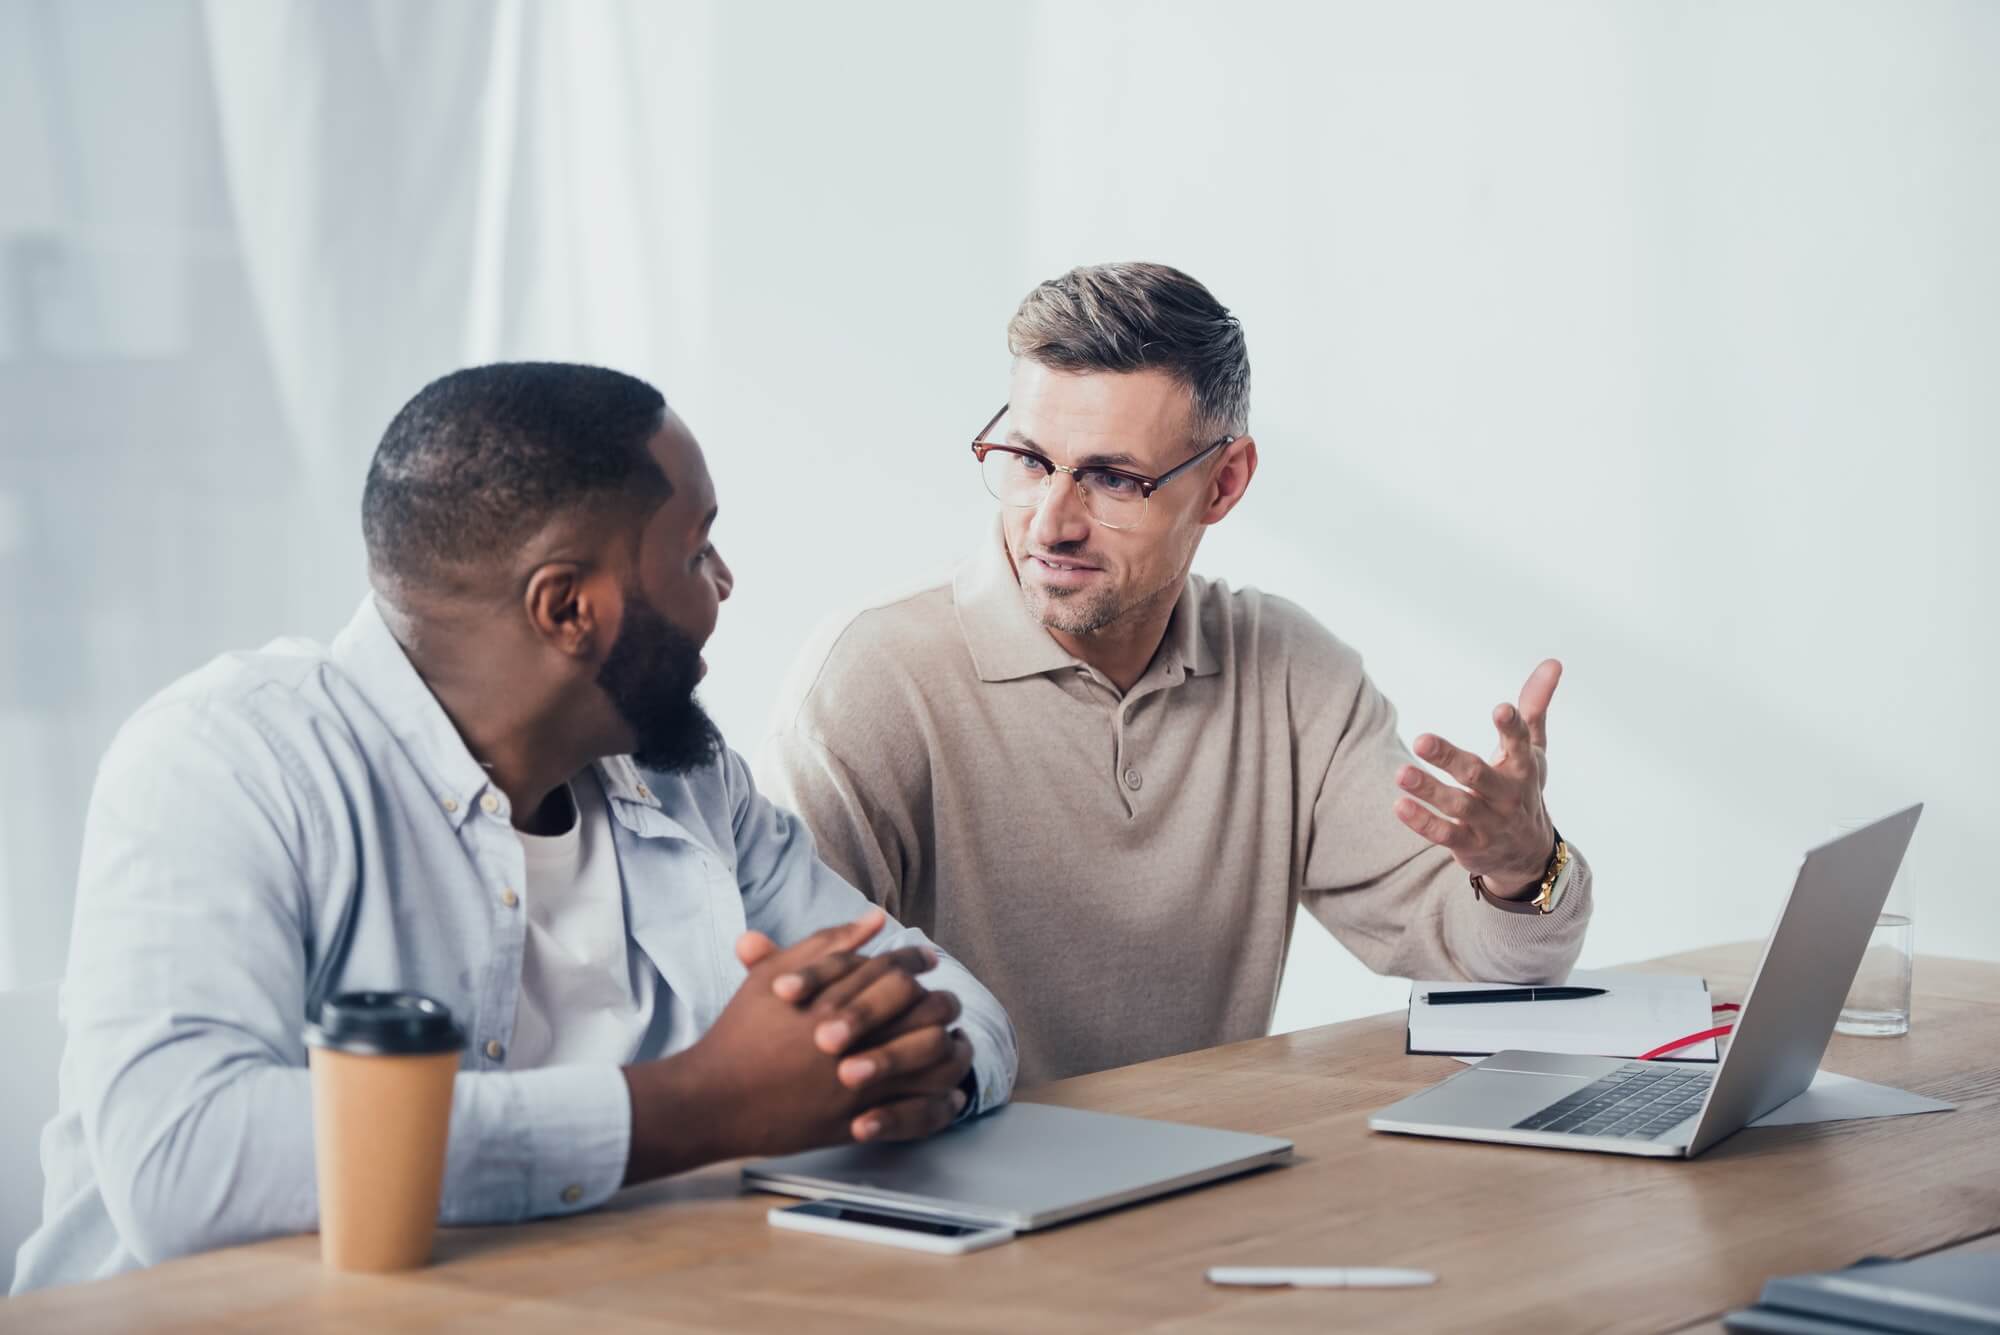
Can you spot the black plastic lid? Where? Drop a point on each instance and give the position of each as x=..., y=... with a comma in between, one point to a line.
x=385, y=1024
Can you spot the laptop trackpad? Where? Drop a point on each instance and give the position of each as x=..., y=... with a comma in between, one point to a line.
x=1550, y=1063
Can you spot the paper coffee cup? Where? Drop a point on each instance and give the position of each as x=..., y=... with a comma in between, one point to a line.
x=383, y=1065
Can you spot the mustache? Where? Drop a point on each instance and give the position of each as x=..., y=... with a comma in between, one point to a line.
x=1076, y=554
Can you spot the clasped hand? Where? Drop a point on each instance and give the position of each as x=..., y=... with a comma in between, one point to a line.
x=822, y=1045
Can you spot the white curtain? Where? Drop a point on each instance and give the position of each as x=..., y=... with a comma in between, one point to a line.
x=1656, y=335
x=419, y=187
x=237, y=236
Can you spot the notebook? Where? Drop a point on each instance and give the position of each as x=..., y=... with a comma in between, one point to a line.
x=1932, y=1295
x=1638, y=1012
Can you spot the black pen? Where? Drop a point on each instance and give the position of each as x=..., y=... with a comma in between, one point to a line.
x=1512, y=994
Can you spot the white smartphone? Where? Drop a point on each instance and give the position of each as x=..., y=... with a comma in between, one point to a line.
x=891, y=1228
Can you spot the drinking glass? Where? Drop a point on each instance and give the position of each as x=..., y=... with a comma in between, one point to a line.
x=1878, y=1001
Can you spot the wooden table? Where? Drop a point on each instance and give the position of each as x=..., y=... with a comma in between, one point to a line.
x=1522, y=1239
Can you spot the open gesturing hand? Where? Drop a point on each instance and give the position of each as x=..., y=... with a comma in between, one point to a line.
x=1495, y=824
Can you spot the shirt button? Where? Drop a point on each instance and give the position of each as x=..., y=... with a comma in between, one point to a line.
x=645, y=794
x=494, y=1050
x=509, y=898
x=451, y=804
x=572, y=1194
x=1132, y=779
x=489, y=804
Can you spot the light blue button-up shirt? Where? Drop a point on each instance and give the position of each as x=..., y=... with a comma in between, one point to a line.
x=234, y=819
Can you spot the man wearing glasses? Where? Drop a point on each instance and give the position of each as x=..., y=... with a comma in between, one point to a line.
x=1106, y=784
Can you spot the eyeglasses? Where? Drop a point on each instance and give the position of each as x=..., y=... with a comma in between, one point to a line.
x=1113, y=497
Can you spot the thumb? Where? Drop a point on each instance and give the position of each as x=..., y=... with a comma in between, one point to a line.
x=826, y=941
x=753, y=948
x=1536, y=693
x=863, y=929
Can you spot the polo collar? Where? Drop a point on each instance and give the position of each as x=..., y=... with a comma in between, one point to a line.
x=1188, y=632
x=1007, y=643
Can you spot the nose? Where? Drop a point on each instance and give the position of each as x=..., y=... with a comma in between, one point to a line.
x=1060, y=518
x=725, y=578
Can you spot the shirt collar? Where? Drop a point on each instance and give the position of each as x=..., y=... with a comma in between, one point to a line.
x=1188, y=631
x=623, y=784
x=1007, y=643
x=367, y=651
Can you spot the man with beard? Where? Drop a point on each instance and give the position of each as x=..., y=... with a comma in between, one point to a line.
x=496, y=788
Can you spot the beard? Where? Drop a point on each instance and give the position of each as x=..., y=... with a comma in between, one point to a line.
x=1069, y=611
x=1072, y=613
x=650, y=675
x=1104, y=604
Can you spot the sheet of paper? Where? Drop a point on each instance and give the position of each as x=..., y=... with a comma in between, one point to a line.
x=1842, y=1098
x=1638, y=1012
x=1836, y=1098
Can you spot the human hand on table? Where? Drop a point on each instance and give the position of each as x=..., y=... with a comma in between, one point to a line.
x=893, y=1035
x=773, y=1076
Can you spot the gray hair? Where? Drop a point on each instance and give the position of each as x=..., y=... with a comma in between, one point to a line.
x=1139, y=317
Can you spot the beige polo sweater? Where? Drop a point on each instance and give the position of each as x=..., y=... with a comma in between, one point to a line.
x=1123, y=870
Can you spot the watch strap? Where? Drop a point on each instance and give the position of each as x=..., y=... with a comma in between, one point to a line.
x=1555, y=880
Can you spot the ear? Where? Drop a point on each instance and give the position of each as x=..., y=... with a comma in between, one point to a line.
x=573, y=614
x=1231, y=478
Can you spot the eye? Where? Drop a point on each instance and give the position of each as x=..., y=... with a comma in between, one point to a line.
x=701, y=557
x=1031, y=463
x=1113, y=486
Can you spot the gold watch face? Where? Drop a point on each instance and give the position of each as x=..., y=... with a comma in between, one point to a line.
x=1545, y=901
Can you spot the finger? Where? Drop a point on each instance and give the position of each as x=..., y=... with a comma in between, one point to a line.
x=1517, y=748
x=851, y=984
x=843, y=985
x=886, y=999
x=909, y=1119
x=1468, y=769
x=808, y=981
x=829, y=940
x=826, y=941
x=900, y=1057
x=1454, y=802
x=940, y=1077
x=753, y=948
x=1539, y=689
x=1430, y=825
x=937, y=1008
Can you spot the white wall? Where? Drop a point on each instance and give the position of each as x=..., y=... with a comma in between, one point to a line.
x=1657, y=337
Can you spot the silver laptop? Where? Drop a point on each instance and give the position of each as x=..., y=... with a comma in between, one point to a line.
x=1669, y=1109
x=1025, y=1166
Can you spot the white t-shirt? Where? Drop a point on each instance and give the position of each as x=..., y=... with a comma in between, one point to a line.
x=586, y=994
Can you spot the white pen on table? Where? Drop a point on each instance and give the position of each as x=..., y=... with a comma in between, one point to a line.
x=1318, y=1277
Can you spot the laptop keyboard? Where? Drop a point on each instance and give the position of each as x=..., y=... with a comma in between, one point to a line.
x=1638, y=1101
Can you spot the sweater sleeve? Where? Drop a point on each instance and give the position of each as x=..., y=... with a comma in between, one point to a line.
x=867, y=841
x=1401, y=904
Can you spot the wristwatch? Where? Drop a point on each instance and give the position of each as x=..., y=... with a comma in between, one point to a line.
x=1555, y=880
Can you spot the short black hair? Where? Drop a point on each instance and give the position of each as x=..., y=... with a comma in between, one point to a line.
x=483, y=458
